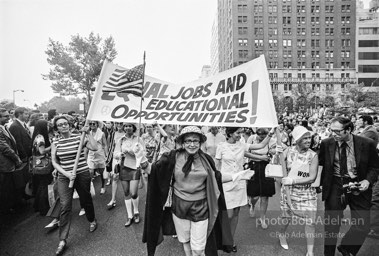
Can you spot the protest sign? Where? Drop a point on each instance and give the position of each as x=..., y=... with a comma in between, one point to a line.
x=239, y=97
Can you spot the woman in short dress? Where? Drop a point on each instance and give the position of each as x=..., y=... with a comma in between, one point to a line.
x=130, y=172
x=301, y=164
x=229, y=160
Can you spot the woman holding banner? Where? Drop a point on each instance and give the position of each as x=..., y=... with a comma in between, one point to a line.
x=130, y=172
x=301, y=164
x=63, y=152
x=230, y=160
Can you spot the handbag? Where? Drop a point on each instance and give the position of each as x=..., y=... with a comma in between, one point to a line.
x=274, y=168
x=41, y=165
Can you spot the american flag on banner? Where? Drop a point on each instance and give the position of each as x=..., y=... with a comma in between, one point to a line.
x=126, y=81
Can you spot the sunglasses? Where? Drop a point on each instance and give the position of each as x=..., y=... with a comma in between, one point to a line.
x=92, y=123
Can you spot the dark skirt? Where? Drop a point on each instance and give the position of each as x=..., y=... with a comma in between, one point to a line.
x=41, y=201
x=259, y=185
x=127, y=174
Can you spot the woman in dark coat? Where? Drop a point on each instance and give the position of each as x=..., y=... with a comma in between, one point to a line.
x=173, y=211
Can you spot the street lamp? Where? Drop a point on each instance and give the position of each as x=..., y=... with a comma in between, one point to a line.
x=84, y=105
x=14, y=96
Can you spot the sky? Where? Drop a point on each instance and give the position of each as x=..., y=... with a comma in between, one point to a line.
x=176, y=35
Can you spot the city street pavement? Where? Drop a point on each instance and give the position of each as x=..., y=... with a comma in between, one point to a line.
x=24, y=234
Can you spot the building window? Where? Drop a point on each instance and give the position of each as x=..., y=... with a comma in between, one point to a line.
x=346, y=42
x=258, y=31
x=272, y=31
x=368, y=31
x=272, y=19
x=287, y=64
x=315, y=9
x=315, y=65
x=368, y=56
x=273, y=64
x=242, y=30
x=300, y=31
x=301, y=75
x=345, y=31
x=272, y=43
x=368, y=68
x=242, y=19
x=368, y=43
x=287, y=87
x=301, y=42
x=315, y=75
x=345, y=8
x=287, y=31
x=345, y=19
x=287, y=42
x=345, y=54
x=329, y=20
x=345, y=64
x=315, y=20
x=329, y=31
x=329, y=8
x=329, y=54
x=286, y=8
x=315, y=31
x=242, y=53
x=286, y=20
x=258, y=19
x=315, y=43
x=287, y=54
x=272, y=8
x=301, y=54
x=315, y=87
x=329, y=42
x=329, y=65
x=242, y=42
x=315, y=54
x=300, y=8
x=301, y=64
x=300, y=20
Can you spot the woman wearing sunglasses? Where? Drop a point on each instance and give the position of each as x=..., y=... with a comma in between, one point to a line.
x=63, y=153
x=96, y=159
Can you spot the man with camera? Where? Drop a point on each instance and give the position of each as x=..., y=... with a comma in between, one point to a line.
x=350, y=167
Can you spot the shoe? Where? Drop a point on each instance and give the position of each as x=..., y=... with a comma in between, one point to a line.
x=111, y=205
x=227, y=248
x=252, y=211
x=93, y=226
x=283, y=242
x=82, y=212
x=234, y=249
x=102, y=191
x=128, y=222
x=373, y=234
x=263, y=224
x=61, y=247
x=343, y=251
x=53, y=224
x=136, y=218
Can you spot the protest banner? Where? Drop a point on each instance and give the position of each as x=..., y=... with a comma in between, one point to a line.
x=239, y=97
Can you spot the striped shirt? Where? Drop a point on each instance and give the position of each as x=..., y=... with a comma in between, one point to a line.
x=66, y=153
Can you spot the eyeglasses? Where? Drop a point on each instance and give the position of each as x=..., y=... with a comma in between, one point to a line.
x=62, y=124
x=261, y=134
x=336, y=131
x=194, y=142
x=149, y=127
x=92, y=123
x=5, y=116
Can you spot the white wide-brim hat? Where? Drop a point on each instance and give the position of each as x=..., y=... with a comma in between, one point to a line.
x=299, y=131
x=191, y=129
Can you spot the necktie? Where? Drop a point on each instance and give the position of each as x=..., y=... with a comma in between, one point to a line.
x=187, y=166
x=343, y=159
x=27, y=129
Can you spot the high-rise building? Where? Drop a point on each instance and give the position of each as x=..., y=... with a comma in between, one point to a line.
x=307, y=44
x=367, y=54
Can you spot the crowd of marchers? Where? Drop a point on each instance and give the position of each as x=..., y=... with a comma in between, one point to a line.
x=196, y=178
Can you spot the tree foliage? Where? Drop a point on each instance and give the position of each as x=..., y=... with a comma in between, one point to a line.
x=76, y=67
x=61, y=104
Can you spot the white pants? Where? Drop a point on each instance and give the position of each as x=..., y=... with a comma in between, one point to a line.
x=193, y=232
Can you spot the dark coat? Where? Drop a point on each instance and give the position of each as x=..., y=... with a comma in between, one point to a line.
x=158, y=222
x=367, y=162
x=23, y=140
x=8, y=152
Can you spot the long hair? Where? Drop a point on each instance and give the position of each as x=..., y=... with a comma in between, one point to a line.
x=41, y=128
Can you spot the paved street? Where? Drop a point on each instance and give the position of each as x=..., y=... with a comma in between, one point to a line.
x=23, y=234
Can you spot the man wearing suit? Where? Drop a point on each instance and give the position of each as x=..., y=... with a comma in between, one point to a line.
x=21, y=133
x=369, y=130
x=347, y=158
x=9, y=161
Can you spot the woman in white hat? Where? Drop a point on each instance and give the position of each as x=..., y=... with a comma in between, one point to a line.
x=301, y=164
x=196, y=206
x=129, y=171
